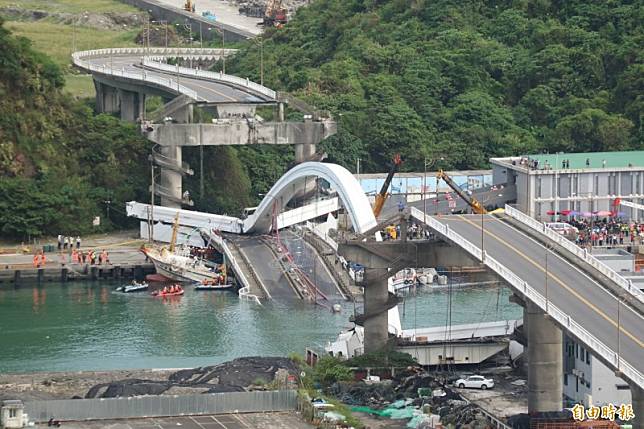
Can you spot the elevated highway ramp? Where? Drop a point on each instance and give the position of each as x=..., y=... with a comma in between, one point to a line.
x=566, y=286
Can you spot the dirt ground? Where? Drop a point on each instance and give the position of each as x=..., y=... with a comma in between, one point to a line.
x=66, y=385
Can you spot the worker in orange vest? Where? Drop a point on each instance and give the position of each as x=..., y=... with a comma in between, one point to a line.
x=36, y=260
x=43, y=259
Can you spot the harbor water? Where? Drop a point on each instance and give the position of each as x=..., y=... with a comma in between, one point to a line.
x=89, y=326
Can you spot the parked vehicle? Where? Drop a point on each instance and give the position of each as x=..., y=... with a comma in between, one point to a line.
x=563, y=228
x=475, y=382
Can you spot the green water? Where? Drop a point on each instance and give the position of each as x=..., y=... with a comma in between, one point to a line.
x=87, y=326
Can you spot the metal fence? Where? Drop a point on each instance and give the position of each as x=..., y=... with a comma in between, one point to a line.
x=159, y=406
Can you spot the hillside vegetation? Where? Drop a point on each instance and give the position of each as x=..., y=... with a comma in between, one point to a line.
x=462, y=79
x=59, y=163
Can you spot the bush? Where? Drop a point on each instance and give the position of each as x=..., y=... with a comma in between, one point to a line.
x=382, y=359
x=330, y=370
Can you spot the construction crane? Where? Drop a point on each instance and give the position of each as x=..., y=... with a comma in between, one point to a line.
x=275, y=14
x=381, y=197
x=189, y=6
x=477, y=207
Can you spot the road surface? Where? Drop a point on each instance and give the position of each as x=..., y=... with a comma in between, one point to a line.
x=225, y=12
x=208, y=90
x=568, y=287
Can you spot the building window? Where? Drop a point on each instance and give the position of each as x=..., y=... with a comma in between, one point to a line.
x=588, y=358
x=622, y=387
x=12, y=413
x=588, y=384
x=565, y=379
x=582, y=354
x=576, y=350
x=539, y=187
x=576, y=384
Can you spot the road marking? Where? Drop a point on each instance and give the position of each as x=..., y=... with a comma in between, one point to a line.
x=558, y=280
x=242, y=422
x=197, y=423
x=220, y=423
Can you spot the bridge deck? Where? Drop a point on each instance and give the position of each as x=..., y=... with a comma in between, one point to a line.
x=209, y=91
x=569, y=288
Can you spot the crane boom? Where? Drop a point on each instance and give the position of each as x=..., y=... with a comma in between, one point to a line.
x=381, y=196
x=477, y=207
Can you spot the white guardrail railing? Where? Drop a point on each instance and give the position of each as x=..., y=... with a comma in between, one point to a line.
x=530, y=293
x=214, y=76
x=583, y=254
x=83, y=60
x=244, y=292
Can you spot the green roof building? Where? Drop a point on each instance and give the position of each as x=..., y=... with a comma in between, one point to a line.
x=584, y=183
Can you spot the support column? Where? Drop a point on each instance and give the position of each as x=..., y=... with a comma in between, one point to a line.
x=376, y=332
x=185, y=115
x=637, y=395
x=132, y=105
x=107, y=98
x=303, y=152
x=545, y=360
x=170, y=179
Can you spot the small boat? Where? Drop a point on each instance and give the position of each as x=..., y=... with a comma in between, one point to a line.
x=134, y=287
x=208, y=286
x=162, y=294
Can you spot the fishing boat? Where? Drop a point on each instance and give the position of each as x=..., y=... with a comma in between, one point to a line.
x=134, y=287
x=403, y=279
x=176, y=263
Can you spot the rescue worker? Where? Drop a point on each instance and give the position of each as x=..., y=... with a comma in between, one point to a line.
x=36, y=260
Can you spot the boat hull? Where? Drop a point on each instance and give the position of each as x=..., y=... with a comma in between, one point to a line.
x=179, y=273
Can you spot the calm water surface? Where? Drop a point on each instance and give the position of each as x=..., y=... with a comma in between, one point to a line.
x=87, y=326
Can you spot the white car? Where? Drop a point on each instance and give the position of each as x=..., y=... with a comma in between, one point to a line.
x=475, y=382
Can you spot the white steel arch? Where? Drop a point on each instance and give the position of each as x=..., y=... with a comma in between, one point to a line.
x=341, y=179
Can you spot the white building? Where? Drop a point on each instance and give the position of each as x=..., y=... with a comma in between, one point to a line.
x=583, y=182
x=588, y=381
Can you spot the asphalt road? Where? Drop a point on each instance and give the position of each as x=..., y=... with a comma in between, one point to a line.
x=209, y=91
x=281, y=420
x=568, y=287
x=268, y=269
x=307, y=259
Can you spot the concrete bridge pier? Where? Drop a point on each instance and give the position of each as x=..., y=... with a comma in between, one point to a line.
x=132, y=105
x=171, y=180
x=107, y=98
x=376, y=296
x=637, y=399
x=304, y=151
x=545, y=361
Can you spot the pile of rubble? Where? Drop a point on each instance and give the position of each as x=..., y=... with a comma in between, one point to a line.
x=249, y=373
x=419, y=397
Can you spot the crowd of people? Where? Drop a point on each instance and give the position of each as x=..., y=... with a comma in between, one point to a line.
x=65, y=242
x=75, y=256
x=414, y=232
x=607, y=232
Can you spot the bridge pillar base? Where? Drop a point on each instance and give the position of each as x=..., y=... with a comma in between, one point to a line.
x=132, y=105
x=637, y=395
x=107, y=98
x=545, y=360
x=171, y=180
x=375, y=297
x=304, y=151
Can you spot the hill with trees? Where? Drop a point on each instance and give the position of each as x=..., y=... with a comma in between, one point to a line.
x=462, y=79
x=60, y=164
